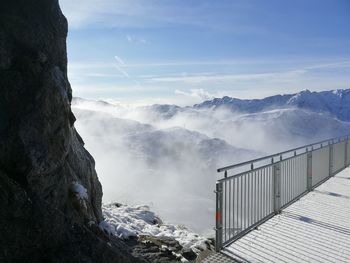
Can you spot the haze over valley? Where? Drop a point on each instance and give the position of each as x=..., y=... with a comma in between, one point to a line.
x=166, y=156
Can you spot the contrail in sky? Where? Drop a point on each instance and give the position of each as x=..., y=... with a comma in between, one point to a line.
x=119, y=65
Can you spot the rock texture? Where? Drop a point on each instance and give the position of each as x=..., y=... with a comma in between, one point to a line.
x=50, y=196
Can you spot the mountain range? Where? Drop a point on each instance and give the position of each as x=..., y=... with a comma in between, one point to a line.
x=334, y=102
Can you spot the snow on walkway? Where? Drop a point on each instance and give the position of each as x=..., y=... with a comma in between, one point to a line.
x=314, y=229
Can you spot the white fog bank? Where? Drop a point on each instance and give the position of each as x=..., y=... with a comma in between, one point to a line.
x=166, y=156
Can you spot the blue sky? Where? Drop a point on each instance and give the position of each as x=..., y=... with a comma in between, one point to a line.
x=185, y=51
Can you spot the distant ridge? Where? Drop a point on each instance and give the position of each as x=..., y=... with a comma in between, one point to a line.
x=334, y=102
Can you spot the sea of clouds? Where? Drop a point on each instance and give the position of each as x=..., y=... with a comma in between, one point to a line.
x=166, y=156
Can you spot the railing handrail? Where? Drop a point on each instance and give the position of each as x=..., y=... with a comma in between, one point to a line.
x=329, y=141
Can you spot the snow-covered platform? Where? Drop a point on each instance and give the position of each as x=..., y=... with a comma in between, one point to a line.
x=314, y=229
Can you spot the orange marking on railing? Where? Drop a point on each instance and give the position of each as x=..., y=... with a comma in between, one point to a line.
x=218, y=216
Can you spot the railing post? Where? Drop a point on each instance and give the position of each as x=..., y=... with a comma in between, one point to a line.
x=218, y=217
x=277, y=187
x=330, y=158
x=309, y=171
x=346, y=152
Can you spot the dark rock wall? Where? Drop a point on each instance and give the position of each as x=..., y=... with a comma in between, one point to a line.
x=42, y=159
x=39, y=147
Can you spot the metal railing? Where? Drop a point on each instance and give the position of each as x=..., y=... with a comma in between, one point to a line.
x=252, y=192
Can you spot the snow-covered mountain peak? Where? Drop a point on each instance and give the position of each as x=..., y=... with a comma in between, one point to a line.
x=334, y=102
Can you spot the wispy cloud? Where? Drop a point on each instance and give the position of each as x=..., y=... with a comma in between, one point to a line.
x=339, y=64
x=229, y=77
x=142, y=81
x=196, y=93
x=267, y=76
x=103, y=75
x=160, y=14
x=103, y=90
x=262, y=62
x=136, y=40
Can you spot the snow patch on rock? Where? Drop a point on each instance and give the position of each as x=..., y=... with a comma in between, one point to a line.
x=134, y=221
x=79, y=190
x=106, y=227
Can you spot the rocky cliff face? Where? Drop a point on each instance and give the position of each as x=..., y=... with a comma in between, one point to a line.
x=50, y=196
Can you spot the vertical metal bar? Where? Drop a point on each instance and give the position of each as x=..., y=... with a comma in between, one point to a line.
x=346, y=153
x=265, y=192
x=309, y=172
x=272, y=191
x=261, y=193
x=347, y=150
x=251, y=209
x=300, y=160
x=299, y=178
x=292, y=177
x=285, y=176
x=241, y=201
x=284, y=179
x=218, y=217
x=305, y=171
x=292, y=171
x=289, y=180
x=330, y=159
x=277, y=187
x=248, y=201
x=297, y=171
x=258, y=199
x=234, y=212
x=295, y=176
x=301, y=173
x=229, y=208
x=269, y=192
x=252, y=198
x=282, y=183
x=224, y=212
x=255, y=197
